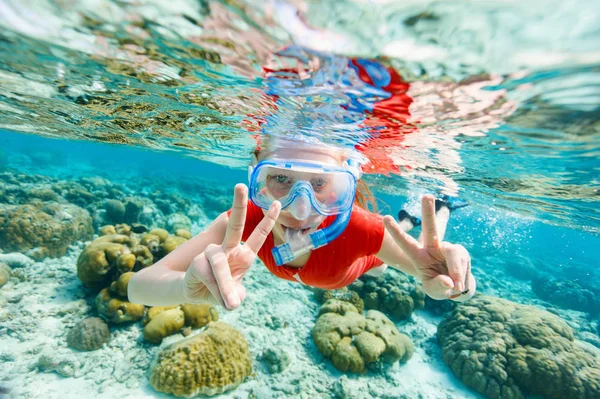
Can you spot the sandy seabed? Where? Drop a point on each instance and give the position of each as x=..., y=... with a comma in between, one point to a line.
x=45, y=299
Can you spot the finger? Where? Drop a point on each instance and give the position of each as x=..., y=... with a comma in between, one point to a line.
x=452, y=256
x=263, y=229
x=439, y=287
x=203, y=277
x=428, y=223
x=237, y=218
x=222, y=273
x=409, y=245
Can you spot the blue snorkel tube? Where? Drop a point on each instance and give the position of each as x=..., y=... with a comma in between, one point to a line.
x=287, y=252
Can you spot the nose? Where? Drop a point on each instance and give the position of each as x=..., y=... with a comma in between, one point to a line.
x=301, y=207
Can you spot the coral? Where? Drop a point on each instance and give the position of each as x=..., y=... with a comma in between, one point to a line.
x=97, y=262
x=171, y=243
x=119, y=287
x=395, y=294
x=568, y=294
x=353, y=341
x=4, y=274
x=507, y=350
x=154, y=311
x=43, y=229
x=115, y=211
x=276, y=360
x=199, y=315
x=117, y=310
x=212, y=362
x=163, y=324
x=89, y=334
x=343, y=294
x=183, y=233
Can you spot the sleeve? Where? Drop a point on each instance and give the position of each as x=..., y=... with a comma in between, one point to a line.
x=253, y=216
x=367, y=231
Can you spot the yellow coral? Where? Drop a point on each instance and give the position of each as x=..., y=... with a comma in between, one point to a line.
x=183, y=233
x=154, y=311
x=117, y=310
x=199, y=315
x=162, y=325
x=171, y=243
x=352, y=341
x=119, y=287
x=212, y=362
x=95, y=263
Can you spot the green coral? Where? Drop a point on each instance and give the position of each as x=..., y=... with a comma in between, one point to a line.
x=394, y=294
x=353, y=341
x=212, y=362
x=506, y=350
x=43, y=229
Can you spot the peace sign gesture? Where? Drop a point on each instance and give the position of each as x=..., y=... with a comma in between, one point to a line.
x=215, y=276
x=444, y=268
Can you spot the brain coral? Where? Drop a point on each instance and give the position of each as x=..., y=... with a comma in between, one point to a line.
x=352, y=341
x=89, y=334
x=506, y=350
x=43, y=229
x=394, y=293
x=212, y=362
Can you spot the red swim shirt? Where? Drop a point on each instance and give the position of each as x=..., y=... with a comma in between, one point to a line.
x=338, y=263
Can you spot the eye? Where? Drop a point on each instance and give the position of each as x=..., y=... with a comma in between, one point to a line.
x=318, y=183
x=280, y=178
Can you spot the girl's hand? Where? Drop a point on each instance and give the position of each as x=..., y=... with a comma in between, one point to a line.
x=444, y=268
x=215, y=276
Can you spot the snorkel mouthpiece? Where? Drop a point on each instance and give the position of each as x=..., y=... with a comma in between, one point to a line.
x=300, y=244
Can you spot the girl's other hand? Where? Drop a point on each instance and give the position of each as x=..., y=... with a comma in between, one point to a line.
x=444, y=268
x=215, y=276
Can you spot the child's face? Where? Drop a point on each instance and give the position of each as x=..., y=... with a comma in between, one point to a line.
x=285, y=219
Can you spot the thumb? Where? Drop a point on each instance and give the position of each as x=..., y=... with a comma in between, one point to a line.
x=439, y=287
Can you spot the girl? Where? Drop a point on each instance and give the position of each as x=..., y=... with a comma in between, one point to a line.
x=307, y=223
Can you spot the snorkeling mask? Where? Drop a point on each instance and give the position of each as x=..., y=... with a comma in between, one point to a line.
x=305, y=189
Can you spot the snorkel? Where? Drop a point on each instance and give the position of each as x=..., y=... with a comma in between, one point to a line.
x=298, y=244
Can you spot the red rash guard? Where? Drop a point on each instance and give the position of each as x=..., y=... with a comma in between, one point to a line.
x=338, y=263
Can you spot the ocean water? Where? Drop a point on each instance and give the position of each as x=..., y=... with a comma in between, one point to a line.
x=145, y=113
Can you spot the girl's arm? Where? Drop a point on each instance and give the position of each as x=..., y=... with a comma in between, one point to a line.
x=394, y=256
x=162, y=283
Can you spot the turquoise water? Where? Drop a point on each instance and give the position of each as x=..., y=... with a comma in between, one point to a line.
x=498, y=105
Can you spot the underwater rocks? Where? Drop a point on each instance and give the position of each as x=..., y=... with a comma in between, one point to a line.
x=568, y=294
x=507, y=350
x=353, y=341
x=89, y=334
x=394, y=294
x=43, y=230
x=212, y=362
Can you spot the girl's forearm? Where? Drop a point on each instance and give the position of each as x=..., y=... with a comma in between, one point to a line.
x=156, y=286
